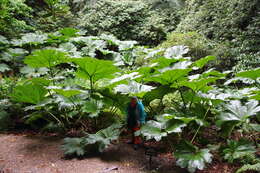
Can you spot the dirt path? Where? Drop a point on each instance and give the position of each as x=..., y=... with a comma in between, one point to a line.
x=38, y=154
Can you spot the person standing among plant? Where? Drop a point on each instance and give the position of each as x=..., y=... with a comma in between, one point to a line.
x=135, y=118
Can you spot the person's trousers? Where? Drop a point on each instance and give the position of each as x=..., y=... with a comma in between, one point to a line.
x=136, y=139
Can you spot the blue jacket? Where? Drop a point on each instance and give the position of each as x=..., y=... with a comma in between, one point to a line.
x=135, y=115
x=141, y=112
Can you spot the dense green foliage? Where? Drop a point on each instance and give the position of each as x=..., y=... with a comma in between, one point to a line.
x=129, y=20
x=82, y=79
x=13, y=15
x=74, y=79
x=235, y=24
x=20, y=16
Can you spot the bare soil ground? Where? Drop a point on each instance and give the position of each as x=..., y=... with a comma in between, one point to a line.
x=25, y=153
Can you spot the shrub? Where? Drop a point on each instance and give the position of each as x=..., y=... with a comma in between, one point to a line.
x=12, y=16
x=235, y=22
x=51, y=14
x=199, y=46
x=134, y=20
x=4, y=120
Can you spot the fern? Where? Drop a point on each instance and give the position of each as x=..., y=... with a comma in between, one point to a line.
x=248, y=167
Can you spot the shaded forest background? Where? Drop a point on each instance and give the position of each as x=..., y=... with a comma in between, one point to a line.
x=68, y=67
x=229, y=30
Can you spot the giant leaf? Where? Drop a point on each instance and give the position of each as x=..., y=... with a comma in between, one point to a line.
x=236, y=113
x=74, y=146
x=104, y=137
x=4, y=68
x=3, y=40
x=91, y=46
x=153, y=130
x=176, y=52
x=170, y=76
x=66, y=102
x=203, y=61
x=133, y=88
x=17, y=51
x=69, y=32
x=157, y=93
x=67, y=92
x=46, y=58
x=93, y=107
x=163, y=62
x=29, y=93
x=130, y=76
x=31, y=38
x=252, y=74
x=177, y=65
x=174, y=126
x=199, y=85
x=94, y=69
x=191, y=157
x=162, y=126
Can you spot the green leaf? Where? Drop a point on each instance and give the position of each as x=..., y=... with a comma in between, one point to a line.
x=255, y=127
x=31, y=118
x=153, y=130
x=199, y=85
x=227, y=127
x=165, y=124
x=203, y=61
x=66, y=102
x=69, y=32
x=39, y=81
x=29, y=93
x=46, y=58
x=133, y=88
x=163, y=62
x=157, y=93
x=177, y=65
x=235, y=113
x=248, y=167
x=67, y=92
x=3, y=40
x=213, y=73
x=190, y=157
x=4, y=68
x=94, y=69
x=170, y=76
x=242, y=79
x=31, y=38
x=33, y=72
x=93, y=107
x=176, y=52
x=74, y=146
x=126, y=45
x=71, y=49
x=252, y=74
x=91, y=46
x=237, y=149
x=104, y=137
x=174, y=126
x=124, y=77
x=256, y=95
